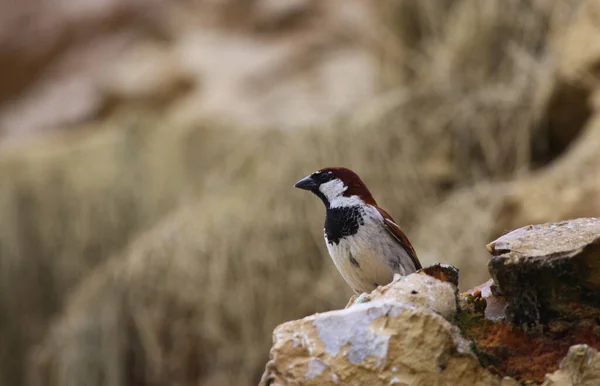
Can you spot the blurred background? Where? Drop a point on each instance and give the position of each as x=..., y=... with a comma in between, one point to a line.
x=150, y=233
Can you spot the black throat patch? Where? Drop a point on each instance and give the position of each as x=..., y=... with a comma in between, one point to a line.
x=342, y=222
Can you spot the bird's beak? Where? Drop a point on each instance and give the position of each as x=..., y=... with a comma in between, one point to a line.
x=306, y=183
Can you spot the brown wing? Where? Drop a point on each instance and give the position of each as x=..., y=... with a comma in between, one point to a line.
x=395, y=231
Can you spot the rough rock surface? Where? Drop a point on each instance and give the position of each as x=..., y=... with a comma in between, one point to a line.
x=417, y=290
x=486, y=297
x=418, y=330
x=542, y=301
x=543, y=269
x=580, y=367
x=378, y=343
x=398, y=337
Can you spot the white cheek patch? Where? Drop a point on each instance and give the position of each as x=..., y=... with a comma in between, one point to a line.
x=345, y=201
x=333, y=189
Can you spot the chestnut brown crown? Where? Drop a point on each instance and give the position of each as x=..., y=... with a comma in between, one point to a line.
x=353, y=185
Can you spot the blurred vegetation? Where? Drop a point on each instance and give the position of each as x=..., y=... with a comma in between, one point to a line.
x=146, y=253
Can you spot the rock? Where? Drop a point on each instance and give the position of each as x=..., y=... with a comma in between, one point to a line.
x=400, y=334
x=378, y=343
x=556, y=240
x=580, y=367
x=544, y=269
x=419, y=291
x=486, y=299
x=527, y=356
x=543, y=275
x=442, y=272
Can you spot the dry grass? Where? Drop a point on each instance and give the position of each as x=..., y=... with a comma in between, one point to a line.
x=480, y=68
x=190, y=302
x=196, y=296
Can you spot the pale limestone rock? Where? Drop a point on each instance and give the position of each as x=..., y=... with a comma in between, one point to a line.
x=580, y=367
x=374, y=343
x=418, y=290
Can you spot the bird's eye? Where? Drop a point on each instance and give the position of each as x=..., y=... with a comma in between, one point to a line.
x=322, y=176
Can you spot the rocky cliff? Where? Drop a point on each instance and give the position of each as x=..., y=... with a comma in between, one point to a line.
x=537, y=321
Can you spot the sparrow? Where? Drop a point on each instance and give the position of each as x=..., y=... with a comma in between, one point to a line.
x=364, y=242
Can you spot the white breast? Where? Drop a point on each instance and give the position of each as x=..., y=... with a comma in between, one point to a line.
x=378, y=255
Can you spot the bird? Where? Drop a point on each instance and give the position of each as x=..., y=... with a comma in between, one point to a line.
x=365, y=243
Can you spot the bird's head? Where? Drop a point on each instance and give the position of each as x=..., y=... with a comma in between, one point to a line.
x=337, y=186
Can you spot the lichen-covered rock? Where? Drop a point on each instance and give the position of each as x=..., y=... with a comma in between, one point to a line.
x=486, y=298
x=417, y=290
x=543, y=270
x=443, y=272
x=375, y=343
x=580, y=367
x=413, y=332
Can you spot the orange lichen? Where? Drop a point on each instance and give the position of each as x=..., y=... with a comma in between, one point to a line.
x=519, y=355
x=509, y=351
x=441, y=272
